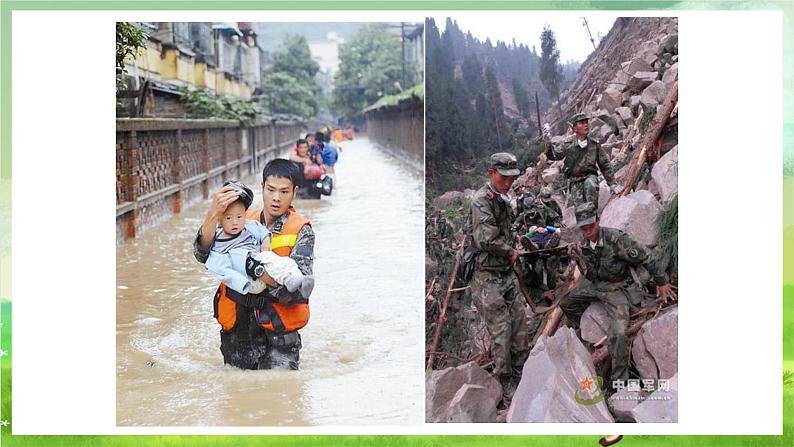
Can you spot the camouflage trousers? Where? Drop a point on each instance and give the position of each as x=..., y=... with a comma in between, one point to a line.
x=504, y=312
x=615, y=298
x=583, y=191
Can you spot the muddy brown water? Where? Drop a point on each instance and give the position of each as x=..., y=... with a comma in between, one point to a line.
x=362, y=360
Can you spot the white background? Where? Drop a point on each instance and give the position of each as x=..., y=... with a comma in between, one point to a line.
x=63, y=283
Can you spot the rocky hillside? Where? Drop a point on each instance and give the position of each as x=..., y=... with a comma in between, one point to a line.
x=628, y=87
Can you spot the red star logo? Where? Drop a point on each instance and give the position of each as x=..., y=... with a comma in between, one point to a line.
x=586, y=383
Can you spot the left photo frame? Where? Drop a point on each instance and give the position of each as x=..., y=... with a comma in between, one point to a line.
x=269, y=223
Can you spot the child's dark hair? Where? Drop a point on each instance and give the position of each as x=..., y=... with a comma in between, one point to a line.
x=246, y=195
x=281, y=168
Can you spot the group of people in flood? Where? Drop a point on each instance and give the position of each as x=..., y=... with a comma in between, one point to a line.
x=316, y=155
x=263, y=257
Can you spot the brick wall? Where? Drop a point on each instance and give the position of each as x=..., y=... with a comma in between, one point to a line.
x=399, y=128
x=165, y=165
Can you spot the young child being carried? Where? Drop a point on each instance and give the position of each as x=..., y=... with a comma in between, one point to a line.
x=240, y=253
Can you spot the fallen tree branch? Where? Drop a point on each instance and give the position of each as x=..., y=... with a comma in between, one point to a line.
x=551, y=320
x=430, y=289
x=452, y=277
x=655, y=128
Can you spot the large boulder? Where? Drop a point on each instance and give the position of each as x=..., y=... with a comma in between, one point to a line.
x=626, y=115
x=642, y=79
x=660, y=406
x=620, y=82
x=551, y=381
x=604, y=132
x=670, y=75
x=655, y=348
x=594, y=323
x=654, y=94
x=447, y=199
x=472, y=403
x=634, y=104
x=635, y=214
x=622, y=403
x=596, y=122
x=610, y=100
x=652, y=188
x=636, y=65
x=619, y=120
x=665, y=175
x=670, y=44
x=441, y=390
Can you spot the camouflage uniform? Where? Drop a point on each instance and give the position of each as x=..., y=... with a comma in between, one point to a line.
x=581, y=167
x=249, y=346
x=540, y=210
x=609, y=281
x=494, y=286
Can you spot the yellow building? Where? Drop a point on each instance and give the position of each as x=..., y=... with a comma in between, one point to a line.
x=200, y=55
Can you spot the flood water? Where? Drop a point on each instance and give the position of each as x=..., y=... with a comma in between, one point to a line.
x=363, y=349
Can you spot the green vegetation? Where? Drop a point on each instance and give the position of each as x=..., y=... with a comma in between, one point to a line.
x=285, y=94
x=788, y=324
x=370, y=67
x=465, y=111
x=130, y=39
x=550, y=70
x=417, y=91
x=667, y=230
x=203, y=104
x=289, y=84
x=647, y=116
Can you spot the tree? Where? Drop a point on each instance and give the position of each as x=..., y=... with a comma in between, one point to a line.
x=285, y=94
x=494, y=111
x=289, y=85
x=522, y=98
x=370, y=66
x=550, y=71
x=296, y=59
x=130, y=39
x=472, y=73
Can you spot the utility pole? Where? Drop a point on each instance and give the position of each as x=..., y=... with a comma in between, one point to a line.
x=584, y=21
x=402, y=43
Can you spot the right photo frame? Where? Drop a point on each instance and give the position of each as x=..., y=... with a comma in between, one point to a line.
x=551, y=148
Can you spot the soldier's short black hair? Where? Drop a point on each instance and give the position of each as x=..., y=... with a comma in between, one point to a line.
x=281, y=168
x=301, y=141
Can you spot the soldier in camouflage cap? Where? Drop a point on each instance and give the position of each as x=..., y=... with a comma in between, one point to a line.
x=577, y=117
x=505, y=163
x=584, y=157
x=494, y=286
x=607, y=254
x=585, y=214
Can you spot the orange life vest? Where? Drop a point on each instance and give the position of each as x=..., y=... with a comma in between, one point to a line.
x=281, y=318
